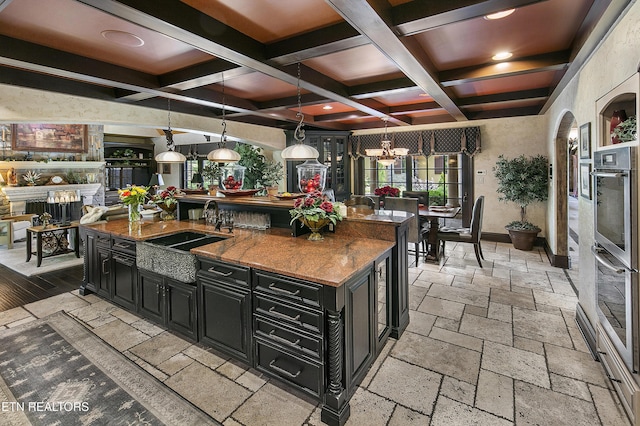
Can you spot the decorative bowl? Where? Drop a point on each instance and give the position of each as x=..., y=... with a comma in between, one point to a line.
x=291, y=196
x=239, y=192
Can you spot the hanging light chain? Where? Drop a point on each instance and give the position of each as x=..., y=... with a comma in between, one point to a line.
x=298, y=134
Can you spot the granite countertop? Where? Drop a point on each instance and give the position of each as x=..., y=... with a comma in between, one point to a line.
x=332, y=261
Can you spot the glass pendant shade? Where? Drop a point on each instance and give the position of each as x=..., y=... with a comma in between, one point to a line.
x=312, y=176
x=223, y=155
x=170, y=157
x=299, y=151
x=386, y=161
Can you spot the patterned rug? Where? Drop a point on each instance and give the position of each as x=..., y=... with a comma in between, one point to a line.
x=15, y=259
x=53, y=371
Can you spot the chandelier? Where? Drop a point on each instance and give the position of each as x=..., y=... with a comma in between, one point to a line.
x=386, y=155
x=170, y=156
x=222, y=154
x=299, y=151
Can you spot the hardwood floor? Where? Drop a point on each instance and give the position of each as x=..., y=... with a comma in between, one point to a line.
x=17, y=290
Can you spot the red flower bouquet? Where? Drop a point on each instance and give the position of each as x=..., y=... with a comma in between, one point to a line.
x=387, y=191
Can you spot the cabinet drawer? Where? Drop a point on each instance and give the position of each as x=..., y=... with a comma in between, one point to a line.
x=289, y=289
x=299, y=317
x=124, y=246
x=282, y=335
x=300, y=373
x=103, y=240
x=225, y=272
x=623, y=381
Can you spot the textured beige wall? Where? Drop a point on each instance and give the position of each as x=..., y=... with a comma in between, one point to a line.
x=29, y=105
x=615, y=60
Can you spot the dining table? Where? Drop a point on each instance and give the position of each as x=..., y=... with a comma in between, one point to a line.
x=433, y=214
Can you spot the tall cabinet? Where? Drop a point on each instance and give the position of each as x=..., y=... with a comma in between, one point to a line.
x=129, y=161
x=332, y=147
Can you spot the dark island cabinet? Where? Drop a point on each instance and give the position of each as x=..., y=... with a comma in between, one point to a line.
x=124, y=273
x=224, y=305
x=97, y=263
x=168, y=302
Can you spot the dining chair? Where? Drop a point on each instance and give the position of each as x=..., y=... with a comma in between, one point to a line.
x=466, y=235
x=416, y=234
x=422, y=196
x=363, y=201
x=329, y=194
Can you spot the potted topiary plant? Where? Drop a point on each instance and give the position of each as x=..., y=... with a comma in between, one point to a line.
x=272, y=174
x=522, y=180
x=212, y=172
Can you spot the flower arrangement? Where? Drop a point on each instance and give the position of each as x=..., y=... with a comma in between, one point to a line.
x=31, y=177
x=133, y=195
x=387, y=191
x=167, y=197
x=315, y=208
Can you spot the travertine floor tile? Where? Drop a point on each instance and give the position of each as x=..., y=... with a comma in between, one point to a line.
x=175, y=364
x=211, y=392
x=416, y=294
x=120, y=335
x=458, y=390
x=441, y=308
x=570, y=387
x=495, y=394
x=62, y=302
x=369, y=409
x=534, y=403
x=12, y=315
x=407, y=384
x=405, y=417
x=609, y=408
x=160, y=348
x=272, y=405
x=459, y=339
x=486, y=328
x=421, y=323
x=205, y=357
x=515, y=363
x=442, y=357
x=500, y=312
x=575, y=364
x=453, y=413
x=540, y=326
x=512, y=298
x=553, y=299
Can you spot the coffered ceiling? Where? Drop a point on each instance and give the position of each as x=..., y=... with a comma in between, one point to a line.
x=415, y=62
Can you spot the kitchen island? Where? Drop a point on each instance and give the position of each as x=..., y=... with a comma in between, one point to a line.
x=312, y=315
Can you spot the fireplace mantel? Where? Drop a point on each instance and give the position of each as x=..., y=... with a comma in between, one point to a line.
x=18, y=195
x=41, y=165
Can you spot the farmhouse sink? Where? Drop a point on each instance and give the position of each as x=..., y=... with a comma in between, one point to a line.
x=169, y=255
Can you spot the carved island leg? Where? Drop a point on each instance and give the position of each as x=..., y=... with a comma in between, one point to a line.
x=336, y=409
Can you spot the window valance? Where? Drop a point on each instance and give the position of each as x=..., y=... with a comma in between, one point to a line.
x=426, y=142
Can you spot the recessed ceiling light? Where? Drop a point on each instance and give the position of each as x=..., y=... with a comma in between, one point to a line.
x=327, y=107
x=122, y=38
x=501, y=56
x=423, y=94
x=499, y=15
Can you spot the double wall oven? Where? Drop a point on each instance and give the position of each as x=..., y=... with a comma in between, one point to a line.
x=615, y=249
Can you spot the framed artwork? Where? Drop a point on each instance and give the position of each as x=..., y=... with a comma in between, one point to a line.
x=585, y=140
x=585, y=180
x=166, y=168
x=49, y=137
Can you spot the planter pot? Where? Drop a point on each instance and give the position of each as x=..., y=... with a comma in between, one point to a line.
x=213, y=190
x=272, y=190
x=523, y=239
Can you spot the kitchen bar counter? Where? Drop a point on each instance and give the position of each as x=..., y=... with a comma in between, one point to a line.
x=330, y=262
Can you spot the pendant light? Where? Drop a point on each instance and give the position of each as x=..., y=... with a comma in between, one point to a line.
x=223, y=154
x=385, y=155
x=170, y=156
x=299, y=151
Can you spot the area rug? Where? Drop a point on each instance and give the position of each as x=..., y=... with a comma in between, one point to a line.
x=15, y=258
x=53, y=371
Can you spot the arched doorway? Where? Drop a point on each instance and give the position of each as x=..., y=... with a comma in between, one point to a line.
x=561, y=185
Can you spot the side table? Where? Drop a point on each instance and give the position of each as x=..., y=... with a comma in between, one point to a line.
x=56, y=239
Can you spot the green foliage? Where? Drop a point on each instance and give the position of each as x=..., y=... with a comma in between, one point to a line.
x=211, y=172
x=522, y=180
x=518, y=225
x=254, y=161
x=436, y=196
x=272, y=173
x=627, y=130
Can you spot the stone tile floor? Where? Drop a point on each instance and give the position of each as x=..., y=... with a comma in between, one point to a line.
x=491, y=346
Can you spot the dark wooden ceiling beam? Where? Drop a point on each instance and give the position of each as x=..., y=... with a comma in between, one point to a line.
x=534, y=94
x=374, y=23
x=324, y=41
x=381, y=88
x=539, y=63
x=506, y=112
x=413, y=108
x=417, y=16
x=181, y=22
x=203, y=74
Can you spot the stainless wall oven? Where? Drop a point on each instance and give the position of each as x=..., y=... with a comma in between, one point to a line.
x=614, y=190
x=615, y=250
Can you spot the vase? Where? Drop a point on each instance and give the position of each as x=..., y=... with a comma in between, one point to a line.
x=315, y=227
x=134, y=212
x=618, y=117
x=168, y=212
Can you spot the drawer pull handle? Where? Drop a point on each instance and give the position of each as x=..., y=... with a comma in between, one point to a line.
x=273, y=365
x=272, y=310
x=273, y=287
x=222, y=274
x=122, y=245
x=274, y=336
x=104, y=264
x=614, y=379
